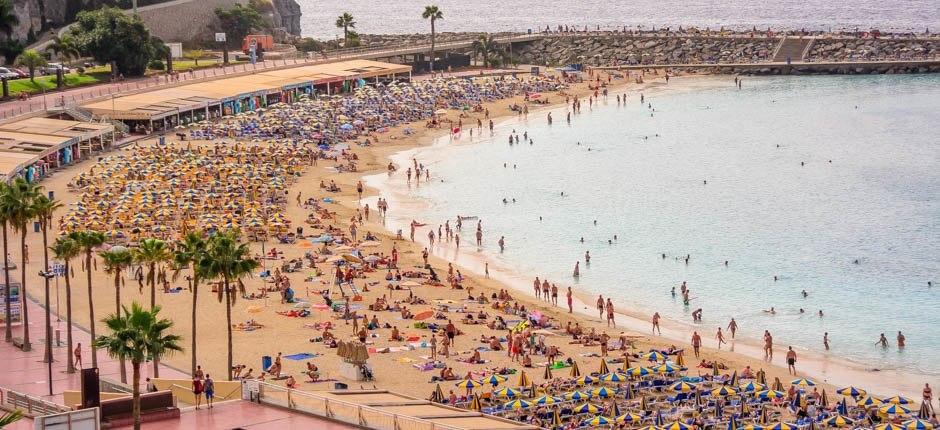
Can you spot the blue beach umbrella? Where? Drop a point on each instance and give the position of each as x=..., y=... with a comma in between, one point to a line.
x=676, y=425
x=577, y=395
x=546, y=400
x=916, y=424
x=898, y=400
x=628, y=418
x=603, y=392
x=851, y=392
x=724, y=391
x=614, y=377
x=587, y=408
x=495, y=380
x=840, y=421
x=667, y=368
x=782, y=426
x=683, y=387
x=771, y=394
x=639, y=371
x=803, y=382
x=585, y=380
x=654, y=356
x=889, y=426
x=507, y=393
x=469, y=383
x=599, y=420
x=751, y=427
x=869, y=401
x=517, y=404
x=752, y=387
x=894, y=409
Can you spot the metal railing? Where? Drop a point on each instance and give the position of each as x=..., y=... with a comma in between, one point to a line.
x=338, y=410
x=31, y=406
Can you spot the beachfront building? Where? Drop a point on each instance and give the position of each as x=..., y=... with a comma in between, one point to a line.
x=33, y=147
x=168, y=108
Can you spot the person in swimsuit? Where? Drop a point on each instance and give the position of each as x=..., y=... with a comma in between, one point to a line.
x=791, y=361
x=656, y=324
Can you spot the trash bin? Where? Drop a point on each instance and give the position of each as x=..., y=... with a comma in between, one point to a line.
x=36, y=227
x=340, y=386
x=51, y=195
x=266, y=362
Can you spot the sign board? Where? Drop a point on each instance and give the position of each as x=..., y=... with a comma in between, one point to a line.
x=220, y=37
x=82, y=419
x=535, y=71
x=58, y=269
x=176, y=49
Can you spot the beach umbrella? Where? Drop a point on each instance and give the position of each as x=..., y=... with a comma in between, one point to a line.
x=507, y=393
x=614, y=409
x=851, y=392
x=838, y=421
x=752, y=386
x=666, y=368
x=603, y=367
x=586, y=408
x=824, y=399
x=764, y=418
x=495, y=379
x=654, y=356
x=676, y=425
x=517, y=404
x=469, y=384
x=889, y=426
x=917, y=425
x=762, y=376
x=548, y=372
x=715, y=370
x=577, y=395
x=869, y=401
x=524, y=380
x=802, y=382
x=778, y=385
x=575, y=372
x=628, y=392
x=925, y=411
x=842, y=408
x=732, y=424
x=680, y=359
x=599, y=420
x=628, y=418
x=639, y=371
x=734, y=379
x=683, y=387
x=556, y=419
x=781, y=426
x=603, y=392
x=745, y=409
x=894, y=409
x=437, y=396
x=614, y=377
x=771, y=394
x=584, y=380
x=546, y=400
x=644, y=404
x=475, y=403
x=898, y=400
x=650, y=428
x=724, y=391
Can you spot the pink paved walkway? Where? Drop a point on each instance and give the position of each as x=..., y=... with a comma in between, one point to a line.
x=242, y=414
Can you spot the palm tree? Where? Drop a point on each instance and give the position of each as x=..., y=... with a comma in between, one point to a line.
x=486, y=47
x=87, y=242
x=31, y=60
x=8, y=18
x=18, y=205
x=433, y=13
x=229, y=260
x=43, y=208
x=10, y=417
x=152, y=252
x=190, y=252
x=138, y=335
x=116, y=260
x=5, y=220
x=64, y=47
x=345, y=21
x=66, y=249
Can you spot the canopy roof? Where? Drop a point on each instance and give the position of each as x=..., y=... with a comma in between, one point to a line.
x=26, y=141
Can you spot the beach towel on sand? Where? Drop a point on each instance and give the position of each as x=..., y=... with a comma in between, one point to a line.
x=301, y=356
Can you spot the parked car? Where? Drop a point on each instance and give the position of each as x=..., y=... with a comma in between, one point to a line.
x=19, y=71
x=6, y=73
x=51, y=68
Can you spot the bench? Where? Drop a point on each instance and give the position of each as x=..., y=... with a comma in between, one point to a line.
x=153, y=407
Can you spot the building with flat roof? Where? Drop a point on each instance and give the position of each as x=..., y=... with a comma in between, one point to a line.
x=32, y=147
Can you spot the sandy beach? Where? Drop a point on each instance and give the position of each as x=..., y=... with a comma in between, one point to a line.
x=396, y=370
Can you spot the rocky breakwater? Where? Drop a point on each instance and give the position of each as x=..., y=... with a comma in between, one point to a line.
x=825, y=49
x=607, y=50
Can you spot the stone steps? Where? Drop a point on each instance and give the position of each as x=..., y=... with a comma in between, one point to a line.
x=792, y=49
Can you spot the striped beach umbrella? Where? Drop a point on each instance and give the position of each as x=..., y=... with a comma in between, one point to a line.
x=683, y=387
x=676, y=425
x=852, y=392
x=894, y=409
x=667, y=368
x=752, y=387
x=437, y=396
x=628, y=418
x=548, y=372
x=888, y=426
x=898, y=400
x=781, y=426
x=838, y=421
x=639, y=371
x=745, y=409
x=650, y=428
x=556, y=419
x=508, y=393
x=869, y=401
x=495, y=379
x=599, y=420
x=546, y=400
x=603, y=392
x=724, y=391
x=614, y=409
x=524, y=380
x=469, y=384
x=803, y=382
x=585, y=380
x=917, y=424
x=517, y=404
x=475, y=404
x=586, y=408
x=577, y=395
x=603, y=368
x=751, y=427
x=654, y=356
x=575, y=372
x=614, y=377
x=771, y=394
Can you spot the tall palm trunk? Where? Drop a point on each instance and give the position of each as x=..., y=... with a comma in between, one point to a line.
x=91, y=310
x=228, y=326
x=193, y=347
x=7, y=289
x=153, y=303
x=432, y=45
x=70, y=368
x=23, y=310
x=117, y=301
x=45, y=261
x=136, y=390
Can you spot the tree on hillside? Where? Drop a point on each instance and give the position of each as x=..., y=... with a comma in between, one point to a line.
x=238, y=22
x=110, y=36
x=345, y=21
x=65, y=48
x=8, y=18
x=31, y=60
x=432, y=13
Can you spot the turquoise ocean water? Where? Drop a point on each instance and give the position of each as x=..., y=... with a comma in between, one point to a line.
x=642, y=178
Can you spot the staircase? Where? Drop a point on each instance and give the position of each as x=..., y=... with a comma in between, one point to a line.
x=80, y=114
x=792, y=49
